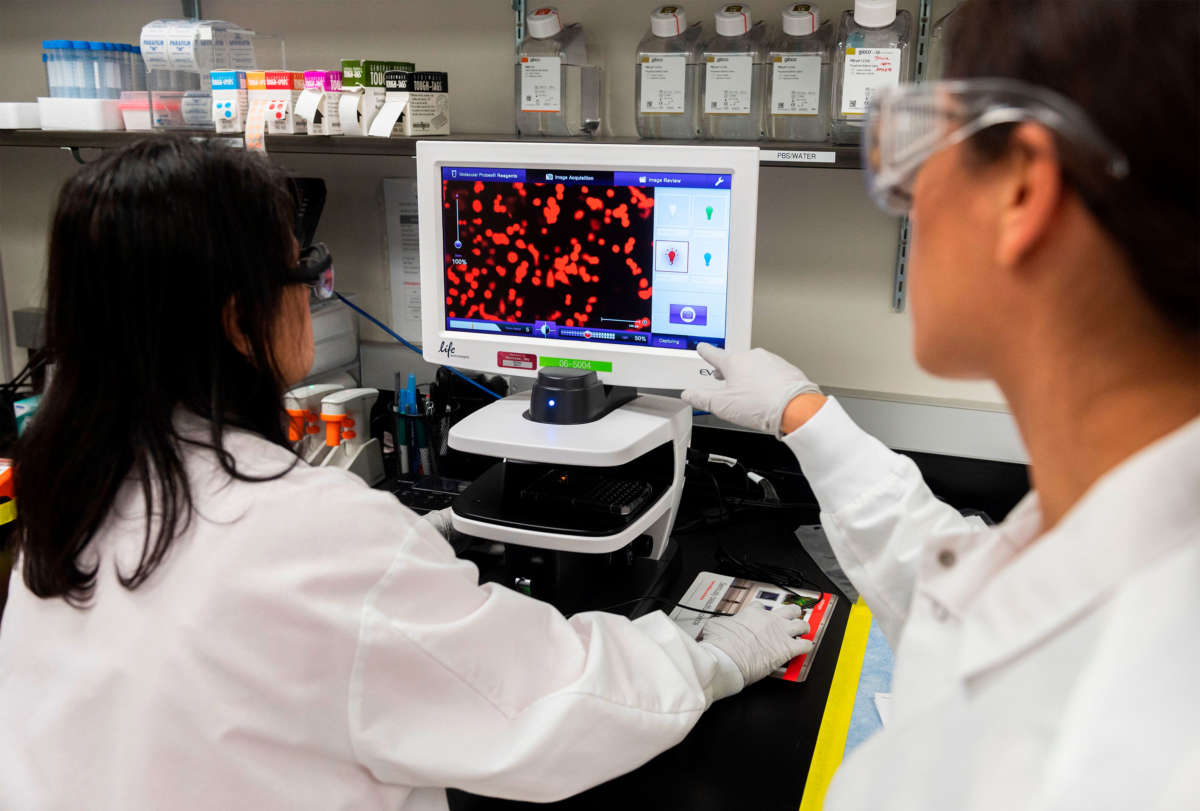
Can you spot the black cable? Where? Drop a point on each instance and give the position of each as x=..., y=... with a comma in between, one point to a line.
x=704, y=519
x=771, y=505
x=31, y=366
x=786, y=577
x=663, y=601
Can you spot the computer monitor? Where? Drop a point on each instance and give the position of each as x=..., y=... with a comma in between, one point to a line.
x=618, y=258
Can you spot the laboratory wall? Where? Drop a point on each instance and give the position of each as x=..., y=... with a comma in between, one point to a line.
x=825, y=257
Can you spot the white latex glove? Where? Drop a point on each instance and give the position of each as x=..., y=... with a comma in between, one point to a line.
x=752, y=643
x=758, y=387
x=440, y=520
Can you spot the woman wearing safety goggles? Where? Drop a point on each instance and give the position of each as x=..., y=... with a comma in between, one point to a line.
x=1053, y=188
x=241, y=629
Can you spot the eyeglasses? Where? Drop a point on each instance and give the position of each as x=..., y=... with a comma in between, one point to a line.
x=315, y=269
x=907, y=124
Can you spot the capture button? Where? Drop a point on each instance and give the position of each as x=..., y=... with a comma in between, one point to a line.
x=695, y=315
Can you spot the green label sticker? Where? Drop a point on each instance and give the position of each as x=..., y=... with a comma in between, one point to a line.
x=576, y=363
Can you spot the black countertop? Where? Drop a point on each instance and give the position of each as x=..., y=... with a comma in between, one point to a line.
x=751, y=750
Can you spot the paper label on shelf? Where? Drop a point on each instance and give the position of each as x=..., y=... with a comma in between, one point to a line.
x=727, y=84
x=306, y=107
x=796, y=84
x=404, y=255
x=795, y=156
x=541, y=84
x=428, y=114
x=388, y=115
x=256, y=124
x=332, y=113
x=867, y=71
x=664, y=79
x=349, y=111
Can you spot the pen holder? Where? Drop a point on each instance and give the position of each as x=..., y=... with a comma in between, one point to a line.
x=414, y=453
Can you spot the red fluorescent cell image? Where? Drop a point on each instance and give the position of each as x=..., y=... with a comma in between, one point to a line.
x=549, y=238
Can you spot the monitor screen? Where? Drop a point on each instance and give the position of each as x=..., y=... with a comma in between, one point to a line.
x=626, y=258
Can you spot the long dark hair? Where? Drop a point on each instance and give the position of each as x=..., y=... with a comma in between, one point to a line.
x=151, y=245
x=1131, y=66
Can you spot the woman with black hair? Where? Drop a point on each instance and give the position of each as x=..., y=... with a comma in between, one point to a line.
x=198, y=619
x=1054, y=190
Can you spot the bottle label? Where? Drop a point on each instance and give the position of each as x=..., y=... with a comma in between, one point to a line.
x=727, y=82
x=541, y=84
x=796, y=84
x=867, y=71
x=663, y=83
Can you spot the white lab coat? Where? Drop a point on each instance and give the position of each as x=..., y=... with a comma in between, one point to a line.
x=309, y=644
x=1034, y=670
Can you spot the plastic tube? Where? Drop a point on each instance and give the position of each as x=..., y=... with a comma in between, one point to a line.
x=126, y=66
x=52, y=59
x=139, y=68
x=97, y=64
x=83, y=76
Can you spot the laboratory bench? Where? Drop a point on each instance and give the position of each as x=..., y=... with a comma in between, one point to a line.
x=752, y=750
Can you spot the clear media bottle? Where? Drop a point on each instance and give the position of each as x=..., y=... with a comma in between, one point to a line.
x=872, y=53
x=557, y=92
x=667, y=77
x=798, y=80
x=733, y=77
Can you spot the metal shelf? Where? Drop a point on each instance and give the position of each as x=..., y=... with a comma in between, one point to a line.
x=820, y=156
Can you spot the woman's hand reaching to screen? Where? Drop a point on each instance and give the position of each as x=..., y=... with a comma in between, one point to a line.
x=762, y=391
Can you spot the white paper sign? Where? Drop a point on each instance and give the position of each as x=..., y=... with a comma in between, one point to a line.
x=350, y=107
x=388, y=115
x=663, y=83
x=796, y=84
x=404, y=255
x=795, y=156
x=541, y=84
x=727, y=83
x=306, y=107
x=866, y=71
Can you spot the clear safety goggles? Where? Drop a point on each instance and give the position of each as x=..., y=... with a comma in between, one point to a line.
x=315, y=269
x=907, y=124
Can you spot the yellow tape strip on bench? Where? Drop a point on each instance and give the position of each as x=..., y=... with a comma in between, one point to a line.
x=835, y=722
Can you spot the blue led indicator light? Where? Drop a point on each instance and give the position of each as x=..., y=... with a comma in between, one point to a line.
x=550, y=403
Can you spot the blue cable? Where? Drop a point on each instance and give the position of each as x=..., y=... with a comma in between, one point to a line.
x=408, y=345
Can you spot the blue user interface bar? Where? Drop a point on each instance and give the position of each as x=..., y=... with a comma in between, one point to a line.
x=673, y=179
x=483, y=173
x=546, y=329
x=584, y=177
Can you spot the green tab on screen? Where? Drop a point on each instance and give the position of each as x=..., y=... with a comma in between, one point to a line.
x=576, y=363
